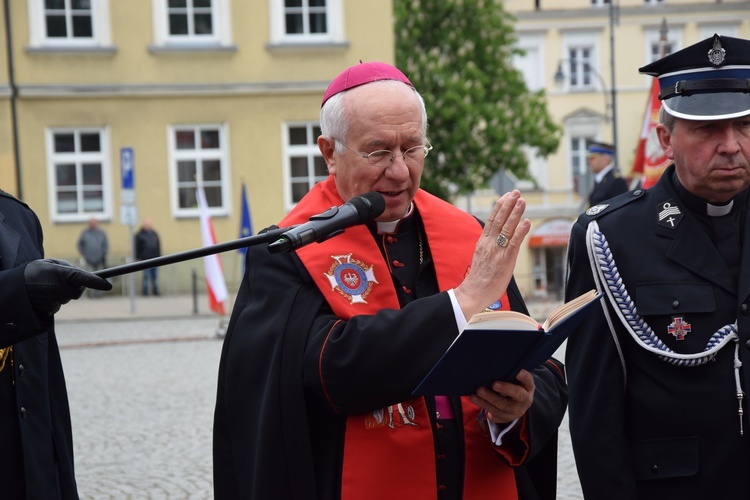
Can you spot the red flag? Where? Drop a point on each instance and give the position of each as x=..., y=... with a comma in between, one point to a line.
x=217, y=288
x=650, y=160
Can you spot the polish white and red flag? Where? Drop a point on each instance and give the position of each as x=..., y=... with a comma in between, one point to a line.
x=650, y=160
x=217, y=287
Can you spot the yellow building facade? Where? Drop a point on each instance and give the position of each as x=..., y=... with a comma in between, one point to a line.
x=216, y=92
x=582, y=53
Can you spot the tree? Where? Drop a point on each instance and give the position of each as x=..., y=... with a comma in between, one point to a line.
x=482, y=118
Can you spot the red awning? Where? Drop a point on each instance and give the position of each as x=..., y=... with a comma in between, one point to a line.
x=552, y=233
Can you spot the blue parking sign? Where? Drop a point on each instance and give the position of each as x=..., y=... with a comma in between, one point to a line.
x=127, y=167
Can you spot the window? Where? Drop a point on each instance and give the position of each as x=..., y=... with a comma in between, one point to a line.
x=579, y=74
x=531, y=63
x=583, y=179
x=191, y=23
x=654, y=44
x=304, y=165
x=599, y=3
x=198, y=155
x=79, y=173
x=69, y=23
x=654, y=2
x=306, y=21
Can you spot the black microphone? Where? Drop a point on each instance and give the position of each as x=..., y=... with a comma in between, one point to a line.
x=333, y=221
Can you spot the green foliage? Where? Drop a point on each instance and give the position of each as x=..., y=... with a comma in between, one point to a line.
x=459, y=55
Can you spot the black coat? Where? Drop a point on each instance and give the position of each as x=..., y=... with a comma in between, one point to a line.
x=610, y=186
x=642, y=427
x=37, y=446
x=274, y=435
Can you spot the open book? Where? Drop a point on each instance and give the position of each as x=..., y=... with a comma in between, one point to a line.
x=496, y=345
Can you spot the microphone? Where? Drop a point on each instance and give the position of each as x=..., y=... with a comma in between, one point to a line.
x=358, y=210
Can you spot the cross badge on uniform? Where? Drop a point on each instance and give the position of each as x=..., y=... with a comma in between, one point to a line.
x=679, y=328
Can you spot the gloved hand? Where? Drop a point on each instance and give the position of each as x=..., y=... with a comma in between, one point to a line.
x=51, y=283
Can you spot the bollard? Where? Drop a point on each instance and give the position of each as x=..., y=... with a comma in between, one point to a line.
x=195, y=291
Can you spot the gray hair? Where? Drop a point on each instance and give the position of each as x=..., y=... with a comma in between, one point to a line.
x=334, y=122
x=666, y=119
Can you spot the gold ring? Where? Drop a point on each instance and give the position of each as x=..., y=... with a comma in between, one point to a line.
x=502, y=240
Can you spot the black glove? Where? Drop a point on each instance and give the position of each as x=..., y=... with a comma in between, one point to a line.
x=51, y=283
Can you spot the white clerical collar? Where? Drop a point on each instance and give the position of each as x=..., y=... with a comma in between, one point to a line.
x=598, y=178
x=719, y=210
x=389, y=227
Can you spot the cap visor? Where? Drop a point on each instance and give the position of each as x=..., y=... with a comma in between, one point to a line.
x=719, y=106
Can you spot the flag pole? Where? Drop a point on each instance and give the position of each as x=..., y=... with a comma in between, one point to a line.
x=163, y=260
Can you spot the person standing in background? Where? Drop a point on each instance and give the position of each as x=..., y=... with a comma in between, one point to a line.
x=93, y=247
x=147, y=247
x=607, y=181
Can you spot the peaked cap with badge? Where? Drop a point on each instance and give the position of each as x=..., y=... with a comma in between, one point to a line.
x=709, y=80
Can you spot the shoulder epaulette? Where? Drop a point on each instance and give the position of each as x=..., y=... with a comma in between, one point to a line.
x=8, y=195
x=613, y=204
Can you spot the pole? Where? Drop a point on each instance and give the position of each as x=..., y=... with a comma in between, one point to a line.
x=614, y=84
x=191, y=254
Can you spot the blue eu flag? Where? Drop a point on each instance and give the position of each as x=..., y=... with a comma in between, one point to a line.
x=246, y=227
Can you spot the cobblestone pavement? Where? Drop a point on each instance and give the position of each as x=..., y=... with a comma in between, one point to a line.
x=142, y=394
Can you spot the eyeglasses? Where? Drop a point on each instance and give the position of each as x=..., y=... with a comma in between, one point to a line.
x=383, y=158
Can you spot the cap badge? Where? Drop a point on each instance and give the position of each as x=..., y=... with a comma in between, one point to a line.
x=669, y=215
x=717, y=53
x=352, y=278
x=679, y=328
x=597, y=209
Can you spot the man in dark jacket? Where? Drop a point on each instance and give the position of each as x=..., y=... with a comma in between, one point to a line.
x=147, y=247
x=607, y=181
x=659, y=375
x=36, y=449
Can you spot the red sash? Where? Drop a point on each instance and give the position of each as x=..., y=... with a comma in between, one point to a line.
x=390, y=453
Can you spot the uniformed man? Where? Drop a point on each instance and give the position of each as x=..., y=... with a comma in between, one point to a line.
x=36, y=447
x=658, y=375
x=607, y=181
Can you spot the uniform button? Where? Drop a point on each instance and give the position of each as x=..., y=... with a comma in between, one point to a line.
x=23, y=413
x=654, y=469
x=21, y=369
x=675, y=304
x=11, y=326
x=637, y=192
x=406, y=290
x=391, y=239
x=747, y=344
x=744, y=309
x=398, y=264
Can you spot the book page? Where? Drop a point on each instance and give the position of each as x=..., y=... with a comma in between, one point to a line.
x=568, y=308
x=502, y=320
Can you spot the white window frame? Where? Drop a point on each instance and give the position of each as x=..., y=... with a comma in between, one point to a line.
x=221, y=154
x=310, y=150
x=101, y=34
x=531, y=64
x=580, y=41
x=334, y=21
x=652, y=36
x=220, y=16
x=78, y=158
x=580, y=127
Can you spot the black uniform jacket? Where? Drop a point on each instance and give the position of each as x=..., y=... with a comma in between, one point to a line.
x=610, y=186
x=37, y=446
x=276, y=437
x=641, y=427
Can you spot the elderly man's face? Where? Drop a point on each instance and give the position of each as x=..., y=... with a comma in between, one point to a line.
x=712, y=158
x=381, y=117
